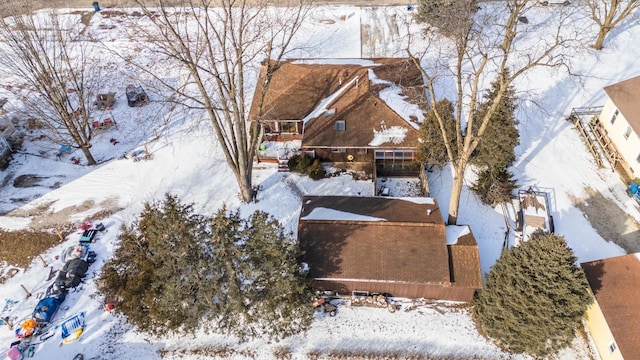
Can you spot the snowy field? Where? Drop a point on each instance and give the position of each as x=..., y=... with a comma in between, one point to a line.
x=186, y=163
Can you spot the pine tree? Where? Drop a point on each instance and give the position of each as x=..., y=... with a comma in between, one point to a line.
x=534, y=297
x=178, y=271
x=278, y=289
x=156, y=273
x=496, y=149
x=494, y=186
x=265, y=293
x=432, y=150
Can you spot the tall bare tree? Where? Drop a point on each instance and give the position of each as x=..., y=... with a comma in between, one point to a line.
x=219, y=45
x=56, y=79
x=608, y=14
x=483, y=50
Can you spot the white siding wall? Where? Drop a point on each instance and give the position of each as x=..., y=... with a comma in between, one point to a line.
x=629, y=148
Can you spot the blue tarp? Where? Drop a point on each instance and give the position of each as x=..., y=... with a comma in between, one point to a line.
x=46, y=309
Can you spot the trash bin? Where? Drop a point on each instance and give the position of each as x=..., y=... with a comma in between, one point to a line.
x=96, y=6
x=633, y=189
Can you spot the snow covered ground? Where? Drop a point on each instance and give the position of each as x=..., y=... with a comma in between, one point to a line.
x=186, y=163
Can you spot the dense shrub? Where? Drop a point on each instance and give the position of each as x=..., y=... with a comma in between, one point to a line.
x=534, y=297
x=316, y=170
x=306, y=165
x=300, y=163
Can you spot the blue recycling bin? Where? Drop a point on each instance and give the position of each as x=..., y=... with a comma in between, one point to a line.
x=633, y=189
x=96, y=6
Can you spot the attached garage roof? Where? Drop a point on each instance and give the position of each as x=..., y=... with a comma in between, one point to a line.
x=615, y=283
x=383, y=239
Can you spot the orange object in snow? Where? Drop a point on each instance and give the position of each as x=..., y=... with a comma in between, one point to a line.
x=27, y=328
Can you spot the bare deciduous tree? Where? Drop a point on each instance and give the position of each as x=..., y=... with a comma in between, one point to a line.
x=483, y=49
x=56, y=79
x=608, y=14
x=217, y=45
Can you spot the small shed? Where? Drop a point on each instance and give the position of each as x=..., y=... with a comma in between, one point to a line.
x=105, y=101
x=136, y=96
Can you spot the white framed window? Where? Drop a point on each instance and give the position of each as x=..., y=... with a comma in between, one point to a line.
x=638, y=159
x=612, y=347
x=397, y=154
x=627, y=132
x=615, y=115
x=340, y=125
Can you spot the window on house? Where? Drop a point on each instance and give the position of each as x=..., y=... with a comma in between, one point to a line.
x=612, y=347
x=615, y=115
x=398, y=154
x=627, y=132
x=290, y=127
x=339, y=150
x=638, y=159
x=340, y=125
x=364, y=151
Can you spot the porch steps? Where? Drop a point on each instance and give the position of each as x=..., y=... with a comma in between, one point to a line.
x=283, y=166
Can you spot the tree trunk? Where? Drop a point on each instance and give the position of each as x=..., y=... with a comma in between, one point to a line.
x=246, y=189
x=456, y=190
x=602, y=34
x=88, y=155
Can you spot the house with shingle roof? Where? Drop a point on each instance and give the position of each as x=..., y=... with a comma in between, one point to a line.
x=344, y=110
x=620, y=119
x=613, y=320
x=398, y=246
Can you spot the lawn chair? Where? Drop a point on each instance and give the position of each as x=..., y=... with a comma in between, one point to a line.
x=72, y=328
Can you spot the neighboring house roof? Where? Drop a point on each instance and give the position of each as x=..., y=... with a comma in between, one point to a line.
x=626, y=96
x=382, y=239
x=615, y=283
x=366, y=94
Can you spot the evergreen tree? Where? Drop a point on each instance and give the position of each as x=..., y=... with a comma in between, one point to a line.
x=496, y=149
x=177, y=271
x=279, y=290
x=158, y=272
x=432, y=150
x=494, y=186
x=264, y=291
x=534, y=297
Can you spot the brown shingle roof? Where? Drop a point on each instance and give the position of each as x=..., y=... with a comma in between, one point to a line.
x=361, y=118
x=375, y=251
x=417, y=210
x=616, y=284
x=465, y=262
x=626, y=96
x=297, y=88
x=403, y=241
